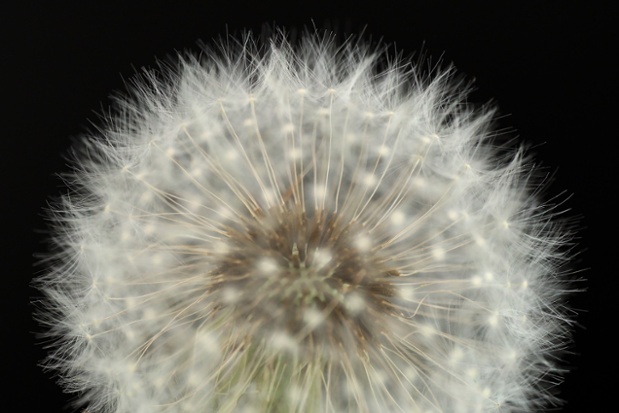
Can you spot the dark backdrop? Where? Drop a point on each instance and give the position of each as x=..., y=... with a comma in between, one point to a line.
x=546, y=64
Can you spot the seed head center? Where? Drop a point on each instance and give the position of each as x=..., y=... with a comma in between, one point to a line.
x=305, y=274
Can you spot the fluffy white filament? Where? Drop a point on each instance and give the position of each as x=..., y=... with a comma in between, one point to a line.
x=290, y=229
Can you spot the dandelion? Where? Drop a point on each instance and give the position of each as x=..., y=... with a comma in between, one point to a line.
x=286, y=228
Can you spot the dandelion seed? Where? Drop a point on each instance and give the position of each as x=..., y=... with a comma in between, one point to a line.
x=281, y=230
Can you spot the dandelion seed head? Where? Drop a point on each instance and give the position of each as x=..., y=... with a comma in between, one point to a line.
x=279, y=229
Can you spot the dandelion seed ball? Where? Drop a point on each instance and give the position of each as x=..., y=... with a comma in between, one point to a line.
x=278, y=228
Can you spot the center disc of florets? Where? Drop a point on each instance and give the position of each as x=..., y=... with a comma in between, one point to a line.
x=312, y=277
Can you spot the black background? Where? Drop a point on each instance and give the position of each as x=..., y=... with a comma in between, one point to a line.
x=546, y=64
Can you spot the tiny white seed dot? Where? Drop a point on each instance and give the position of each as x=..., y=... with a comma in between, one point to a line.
x=384, y=150
x=231, y=155
x=294, y=153
x=363, y=243
x=407, y=292
x=355, y=304
x=288, y=128
x=267, y=266
x=438, y=253
x=322, y=257
x=397, y=218
x=486, y=392
x=369, y=180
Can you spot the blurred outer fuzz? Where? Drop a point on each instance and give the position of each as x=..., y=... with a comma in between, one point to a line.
x=290, y=229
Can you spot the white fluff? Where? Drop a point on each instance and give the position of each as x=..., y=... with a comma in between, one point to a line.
x=185, y=278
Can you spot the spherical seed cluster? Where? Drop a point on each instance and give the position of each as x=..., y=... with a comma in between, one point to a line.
x=284, y=230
